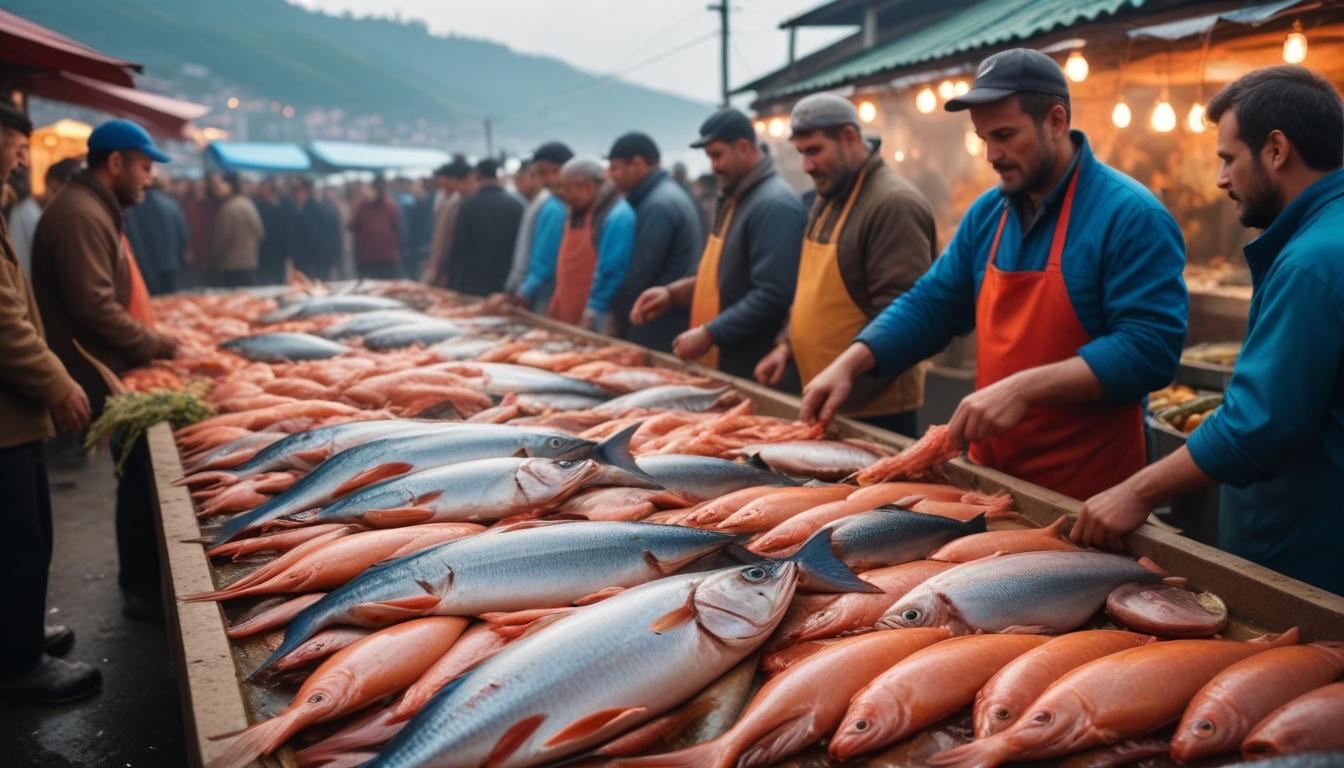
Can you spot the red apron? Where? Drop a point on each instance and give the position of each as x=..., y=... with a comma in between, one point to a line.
x=139, y=309
x=1026, y=320
x=574, y=267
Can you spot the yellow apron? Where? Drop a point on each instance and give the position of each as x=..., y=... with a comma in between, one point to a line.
x=705, y=300
x=824, y=320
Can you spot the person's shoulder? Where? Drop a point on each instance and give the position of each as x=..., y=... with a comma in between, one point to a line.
x=1314, y=247
x=1124, y=196
x=890, y=188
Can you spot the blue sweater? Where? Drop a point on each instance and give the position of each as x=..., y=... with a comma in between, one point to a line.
x=546, y=236
x=615, y=242
x=1277, y=442
x=1122, y=267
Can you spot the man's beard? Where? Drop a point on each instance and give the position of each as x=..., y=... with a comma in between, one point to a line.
x=128, y=193
x=1037, y=176
x=1262, y=202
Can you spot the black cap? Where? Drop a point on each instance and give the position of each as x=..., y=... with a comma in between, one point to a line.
x=457, y=169
x=488, y=168
x=15, y=120
x=1017, y=70
x=553, y=152
x=634, y=144
x=725, y=125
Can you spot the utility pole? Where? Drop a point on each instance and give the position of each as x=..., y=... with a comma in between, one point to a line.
x=489, y=138
x=722, y=8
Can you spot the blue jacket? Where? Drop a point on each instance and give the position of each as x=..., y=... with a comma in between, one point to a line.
x=546, y=236
x=669, y=237
x=1277, y=442
x=1122, y=268
x=615, y=242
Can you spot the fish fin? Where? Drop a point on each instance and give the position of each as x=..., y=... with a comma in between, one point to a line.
x=522, y=618
x=642, y=739
x=1289, y=636
x=756, y=462
x=588, y=725
x=615, y=452
x=981, y=753
x=512, y=739
x=600, y=595
x=1056, y=528
x=370, y=476
x=1176, y=581
x=823, y=571
x=675, y=617
x=261, y=739
x=1154, y=567
x=515, y=631
x=710, y=754
x=1028, y=629
x=784, y=739
x=977, y=524
x=398, y=517
x=398, y=609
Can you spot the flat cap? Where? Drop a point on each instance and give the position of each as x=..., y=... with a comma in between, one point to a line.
x=725, y=125
x=634, y=144
x=822, y=110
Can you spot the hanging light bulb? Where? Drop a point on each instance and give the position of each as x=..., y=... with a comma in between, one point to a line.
x=759, y=125
x=961, y=88
x=1164, y=117
x=974, y=146
x=899, y=155
x=1075, y=67
x=1295, y=45
x=1195, y=120
x=867, y=111
x=946, y=90
x=776, y=127
x=926, y=101
x=1121, y=115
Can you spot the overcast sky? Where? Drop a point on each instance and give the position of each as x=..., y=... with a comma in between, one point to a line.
x=671, y=45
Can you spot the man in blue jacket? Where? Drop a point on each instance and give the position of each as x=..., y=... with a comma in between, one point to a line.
x=668, y=237
x=542, y=229
x=1070, y=274
x=1277, y=442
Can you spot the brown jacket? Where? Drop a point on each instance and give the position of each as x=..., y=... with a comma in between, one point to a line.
x=82, y=280
x=235, y=235
x=888, y=243
x=32, y=379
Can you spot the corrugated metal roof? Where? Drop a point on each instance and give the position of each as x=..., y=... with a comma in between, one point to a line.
x=984, y=25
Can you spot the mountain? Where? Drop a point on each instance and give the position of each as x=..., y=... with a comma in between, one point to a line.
x=272, y=50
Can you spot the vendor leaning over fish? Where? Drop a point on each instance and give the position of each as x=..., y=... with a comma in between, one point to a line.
x=1277, y=442
x=1070, y=274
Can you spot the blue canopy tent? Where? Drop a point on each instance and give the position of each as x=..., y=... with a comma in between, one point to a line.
x=256, y=156
x=352, y=156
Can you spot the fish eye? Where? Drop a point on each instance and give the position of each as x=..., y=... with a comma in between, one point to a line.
x=1204, y=728
x=1002, y=713
x=317, y=698
x=910, y=614
x=1041, y=718
x=556, y=442
x=754, y=573
x=860, y=726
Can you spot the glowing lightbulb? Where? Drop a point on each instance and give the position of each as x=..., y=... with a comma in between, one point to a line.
x=759, y=125
x=900, y=156
x=961, y=88
x=776, y=127
x=1195, y=120
x=867, y=111
x=1075, y=67
x=926, y=101
x=1164, y=117
x=946, y=90
x=233, y=102
x=1121, y=115
x=1295, y=45
x=974, y=146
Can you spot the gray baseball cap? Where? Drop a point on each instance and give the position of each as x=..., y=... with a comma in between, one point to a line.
x=822, y=110
x=1016, y=70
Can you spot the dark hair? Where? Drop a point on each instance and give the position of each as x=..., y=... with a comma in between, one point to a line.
x=832, y=132
x=98, y=157
x=235, y=183
x=15, y=120
x=63, y=171
x=1292, y=99
x=1038, y=106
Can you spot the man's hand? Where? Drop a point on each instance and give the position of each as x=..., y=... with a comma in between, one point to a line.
x=72, y=413
x=597, y=322
x=989, y=412
x=1110, y=516
x=771, y=367
x=429, y=276
x=166, y=346
x=691, y=344
x=650, y=304
x=826, y=394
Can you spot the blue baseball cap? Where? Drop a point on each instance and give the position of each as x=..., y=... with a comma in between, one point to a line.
x=124, y=134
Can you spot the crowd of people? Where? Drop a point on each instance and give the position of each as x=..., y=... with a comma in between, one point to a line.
x=1069, y=271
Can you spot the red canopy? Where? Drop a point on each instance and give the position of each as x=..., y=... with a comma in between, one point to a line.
x=32, y=46
x=161, y=115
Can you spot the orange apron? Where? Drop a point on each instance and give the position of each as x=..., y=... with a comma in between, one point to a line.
x=574, y=267
x=139, y=308
x=1026, y=320
x=824, y=320
x=705, y=300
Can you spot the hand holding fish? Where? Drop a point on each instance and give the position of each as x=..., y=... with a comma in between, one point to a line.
x=827, y=393
x=693, y=343
x=1109, y=516
x=989, y=411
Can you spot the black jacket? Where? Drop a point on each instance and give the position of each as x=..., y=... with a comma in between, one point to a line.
x=482, y=252
x=157, y=231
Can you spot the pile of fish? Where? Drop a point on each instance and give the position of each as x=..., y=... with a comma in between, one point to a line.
x=506, y=547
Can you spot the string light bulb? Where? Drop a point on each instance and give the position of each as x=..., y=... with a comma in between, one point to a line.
x=1075, y=67
x=974, y=146
x=961, y=88
x=867, y=111
x=926, y=101
x=946, y=90
x=1195, y=120
x=899, y=155
x=1164, y=117
x=1121, y=115
x=1295, y=45
x=776, y=127
x=759, y=125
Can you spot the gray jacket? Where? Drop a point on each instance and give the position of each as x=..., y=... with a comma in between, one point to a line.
x=668, y=240
x=758, y=269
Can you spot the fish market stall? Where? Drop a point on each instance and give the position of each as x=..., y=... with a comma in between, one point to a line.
x=398, y=416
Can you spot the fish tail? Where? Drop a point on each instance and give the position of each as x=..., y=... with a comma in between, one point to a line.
x=615, y=451
x=711, y=754
x=300, y=629
x=823, y=571
x=261, y=739
x=977, y=524
x=982, y=753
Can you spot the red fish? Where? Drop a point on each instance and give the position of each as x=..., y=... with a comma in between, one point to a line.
x=979, y=545
x=1309, y=723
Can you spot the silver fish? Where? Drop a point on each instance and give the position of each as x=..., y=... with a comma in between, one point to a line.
x=822, y=459
x=369, y=322
x=332, y=305
x=891, y=536
x=538, y=565
x=304, y=450
x=505, y=378
x=1023, y=592
x=463, y=347
x=699, y=478
x=284, y=347
x=427, y=331
x=675, y=397
x=597, y=673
